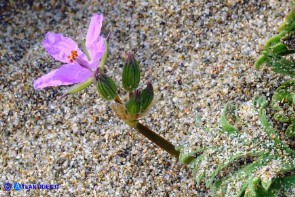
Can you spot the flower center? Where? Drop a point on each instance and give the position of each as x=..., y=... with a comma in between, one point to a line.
x=73, y=56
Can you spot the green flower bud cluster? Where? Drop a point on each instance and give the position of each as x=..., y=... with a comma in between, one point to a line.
x=139, y=100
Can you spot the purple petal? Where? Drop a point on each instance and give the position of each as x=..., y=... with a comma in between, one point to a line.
x=60, y=47
x=94, y=28
x=65, y=75
x=97, y=50
x=94, y=42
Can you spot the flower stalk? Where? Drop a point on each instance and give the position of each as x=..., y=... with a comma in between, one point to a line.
x=154, y=137
x=151, y=135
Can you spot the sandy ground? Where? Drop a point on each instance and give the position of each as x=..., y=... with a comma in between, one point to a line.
x=198, y=56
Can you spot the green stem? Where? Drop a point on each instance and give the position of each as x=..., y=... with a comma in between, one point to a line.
x=154, y=137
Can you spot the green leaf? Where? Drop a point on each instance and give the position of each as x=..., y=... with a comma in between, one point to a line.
x=251, y=189
x=279, y=186
x=290, y=131
x=278, y=46
x=241, y=178
x=186, y=157
x=280, y=65
x=289, y=23
x=197, y=172
x=225, y=125
x=285, y=94
x=260, y=60
x=227, y=162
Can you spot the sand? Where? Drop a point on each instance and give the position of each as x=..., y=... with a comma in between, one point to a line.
x=199, y=55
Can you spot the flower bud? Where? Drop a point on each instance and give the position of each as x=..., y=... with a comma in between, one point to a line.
x=106, y=87
x=147, y=96
x=133, y=106
x=130, y=74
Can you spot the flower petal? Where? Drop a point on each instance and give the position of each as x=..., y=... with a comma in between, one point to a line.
x=59, y=46
x=96, y=51
x=94, y=28
x=65, y=75
x=95, y=44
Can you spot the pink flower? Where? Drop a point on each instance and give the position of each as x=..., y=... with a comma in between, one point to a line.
x=77, y=67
